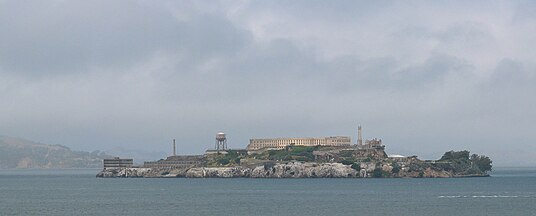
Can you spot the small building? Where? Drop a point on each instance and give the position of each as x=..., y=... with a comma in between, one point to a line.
x=374, y=143
x=402, y=159
x=117, y=162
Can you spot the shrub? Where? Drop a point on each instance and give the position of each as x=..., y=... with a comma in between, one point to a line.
x=396, y=168
x=269, y=165
x=347, y=162
x=377, y=173
x=345, y=154
x=223, y=161
x=356, y=166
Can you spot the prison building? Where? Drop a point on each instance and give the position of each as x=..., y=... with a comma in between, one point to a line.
x=117, y=162
x=281, y=143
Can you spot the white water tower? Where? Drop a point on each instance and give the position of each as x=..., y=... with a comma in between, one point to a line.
x=221, y=142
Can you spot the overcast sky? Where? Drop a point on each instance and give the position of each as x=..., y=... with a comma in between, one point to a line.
x=129, y=76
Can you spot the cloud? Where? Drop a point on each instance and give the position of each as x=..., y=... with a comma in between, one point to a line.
x=426, y=77
x=75, y=37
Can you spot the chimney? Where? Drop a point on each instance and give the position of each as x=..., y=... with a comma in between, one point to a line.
x=174, y=148
x=359, y=136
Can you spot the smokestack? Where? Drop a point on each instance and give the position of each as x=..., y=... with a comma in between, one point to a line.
x=359, y=136
x=174, y=148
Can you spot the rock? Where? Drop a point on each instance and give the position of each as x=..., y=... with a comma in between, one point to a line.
x=280, y=170
x=178, y=172
x=387, y=168
x=304, y=170
x=269, y=170
x=218, y=172
x=368, y=166
x=430, y=173
x=124, y=172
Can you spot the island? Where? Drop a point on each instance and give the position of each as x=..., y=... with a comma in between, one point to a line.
x=326, y=157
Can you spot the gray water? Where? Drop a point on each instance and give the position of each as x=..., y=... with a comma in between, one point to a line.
x=509, y=191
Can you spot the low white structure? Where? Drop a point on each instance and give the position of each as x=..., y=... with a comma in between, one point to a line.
x=396, y=156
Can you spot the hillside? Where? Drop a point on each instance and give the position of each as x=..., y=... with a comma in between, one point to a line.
x=20, y=153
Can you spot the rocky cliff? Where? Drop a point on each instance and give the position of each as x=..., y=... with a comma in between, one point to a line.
x=277, y=170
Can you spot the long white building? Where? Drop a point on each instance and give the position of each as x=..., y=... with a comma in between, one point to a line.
x=281, y=143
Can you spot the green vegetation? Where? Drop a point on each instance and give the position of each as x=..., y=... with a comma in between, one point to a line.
x=455, y=155
x=482, y=162
x=346, y=154
x=347, y=162
x=223, y=161
x=299, y=153
x=356, y=166
x=396, y=167
x=461, y=162
x=377, y=173
x=231, y=158
x=421, y=174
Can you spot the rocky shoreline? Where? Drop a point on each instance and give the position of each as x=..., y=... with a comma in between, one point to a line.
x=276, y=170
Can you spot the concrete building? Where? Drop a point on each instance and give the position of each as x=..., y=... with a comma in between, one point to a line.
x=117, y=162
x=177, y=161
x=281, y=143
x=373, y=143
x=370, y=143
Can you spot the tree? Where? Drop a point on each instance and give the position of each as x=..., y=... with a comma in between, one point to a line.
x=482, y=162
x=455, y=155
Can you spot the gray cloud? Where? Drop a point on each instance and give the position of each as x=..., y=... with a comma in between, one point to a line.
x=66, y=37
x=427, y=77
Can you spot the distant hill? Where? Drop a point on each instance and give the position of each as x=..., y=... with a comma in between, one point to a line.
x=21, y=153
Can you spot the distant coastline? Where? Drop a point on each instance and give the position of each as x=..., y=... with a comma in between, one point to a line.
x=17, y=153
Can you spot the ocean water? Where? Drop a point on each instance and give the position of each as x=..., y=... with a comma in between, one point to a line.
x=510, y=191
